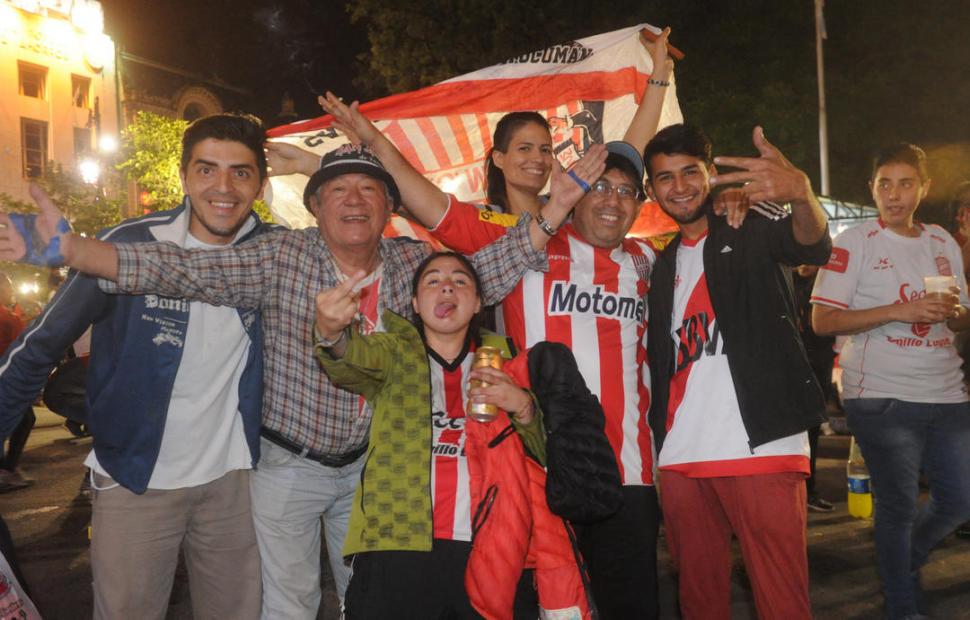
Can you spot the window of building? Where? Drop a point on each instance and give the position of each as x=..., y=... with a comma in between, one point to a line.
x=80, y=89
x=33, y=146
x=32, y=80
x=82, y=141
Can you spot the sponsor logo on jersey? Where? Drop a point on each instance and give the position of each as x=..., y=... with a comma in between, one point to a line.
x=569, y=298
x=643, y=265
x=905, y=342
x=449, y=440
x=838, y=261
x=907, y=294
x=882, y=264
x=697, y=336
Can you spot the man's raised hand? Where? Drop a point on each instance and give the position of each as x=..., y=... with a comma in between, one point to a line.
x=568, y=187
x=770, y=177
x=349, y=120
x=286, y=158
x=337, y=307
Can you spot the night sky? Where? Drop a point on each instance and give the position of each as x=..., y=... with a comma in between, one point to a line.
x=265, y=47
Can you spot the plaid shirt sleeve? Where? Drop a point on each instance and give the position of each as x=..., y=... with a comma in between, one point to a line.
x=502, y=264
x=234, y=276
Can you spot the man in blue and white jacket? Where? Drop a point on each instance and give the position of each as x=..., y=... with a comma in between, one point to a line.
x=174, y=392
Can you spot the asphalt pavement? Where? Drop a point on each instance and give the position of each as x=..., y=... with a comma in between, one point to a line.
x=49, y=523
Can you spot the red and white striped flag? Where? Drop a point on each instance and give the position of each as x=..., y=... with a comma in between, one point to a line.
x=588, y=90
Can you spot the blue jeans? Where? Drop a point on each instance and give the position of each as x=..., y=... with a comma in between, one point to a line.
x=899, y=439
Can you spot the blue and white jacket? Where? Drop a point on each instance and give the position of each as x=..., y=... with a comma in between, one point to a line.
x=136, y=349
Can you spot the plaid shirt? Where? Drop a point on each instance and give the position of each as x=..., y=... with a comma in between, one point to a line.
x=280, y=273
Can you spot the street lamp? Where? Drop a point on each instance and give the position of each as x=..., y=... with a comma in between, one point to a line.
x=90, y=170
x=108, y=144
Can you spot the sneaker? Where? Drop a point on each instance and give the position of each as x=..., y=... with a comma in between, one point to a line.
x=76, y=428
x=12, y=480
x=817, y=504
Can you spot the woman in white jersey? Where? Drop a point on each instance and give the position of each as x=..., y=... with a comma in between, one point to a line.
x=903, y=389
x=432, y=482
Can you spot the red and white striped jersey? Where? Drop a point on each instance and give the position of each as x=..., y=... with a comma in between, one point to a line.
x=593, y=300
x=705, y=434
x=450, y=483
x=369, y=319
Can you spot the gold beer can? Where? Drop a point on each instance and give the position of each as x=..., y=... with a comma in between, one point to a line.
x=484, y=357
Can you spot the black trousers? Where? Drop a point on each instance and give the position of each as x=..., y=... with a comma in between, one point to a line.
x=422, y=586
x=18, y=440
x=621, y=555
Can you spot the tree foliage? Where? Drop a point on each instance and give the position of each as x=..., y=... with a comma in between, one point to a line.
x=151, y=148
x=88, y=207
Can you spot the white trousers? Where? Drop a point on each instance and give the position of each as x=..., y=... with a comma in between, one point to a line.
x=290, y=494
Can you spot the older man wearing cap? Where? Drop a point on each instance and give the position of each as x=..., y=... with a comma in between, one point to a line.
x=314, y=434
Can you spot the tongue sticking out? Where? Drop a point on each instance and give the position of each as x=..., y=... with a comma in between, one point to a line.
x=443, y=309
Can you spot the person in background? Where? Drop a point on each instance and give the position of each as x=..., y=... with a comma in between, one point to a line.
x=11, y=324
x=902, y=388
x=821, y=356
x=960, y=211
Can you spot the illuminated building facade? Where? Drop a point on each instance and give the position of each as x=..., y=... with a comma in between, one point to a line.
x=58, y=87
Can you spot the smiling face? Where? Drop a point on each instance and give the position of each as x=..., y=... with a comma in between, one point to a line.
x=222, y=182
x=527, y=162
x=351, y=211
x=897, y=190
x=446, y=297
x=680, y=184
x=604, y=218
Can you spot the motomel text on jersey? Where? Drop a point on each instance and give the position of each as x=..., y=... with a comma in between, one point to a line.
x=569, y=298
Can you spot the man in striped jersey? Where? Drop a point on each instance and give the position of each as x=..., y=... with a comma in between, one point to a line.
x=733, y=392
x=591, y=298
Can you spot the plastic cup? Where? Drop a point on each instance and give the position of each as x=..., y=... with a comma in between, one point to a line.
x=939, y=285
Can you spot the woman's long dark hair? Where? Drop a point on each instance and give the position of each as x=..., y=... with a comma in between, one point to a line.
x=506, y=128
x=475, y=323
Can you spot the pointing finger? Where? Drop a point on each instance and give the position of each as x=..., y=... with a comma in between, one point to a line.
x=733, y=177
x=746, y=163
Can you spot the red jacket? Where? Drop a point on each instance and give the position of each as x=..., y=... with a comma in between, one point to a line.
x=513, y=527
